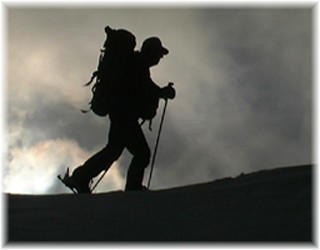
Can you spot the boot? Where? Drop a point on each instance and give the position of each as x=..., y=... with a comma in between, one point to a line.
x=79, y=181
x=134, y=179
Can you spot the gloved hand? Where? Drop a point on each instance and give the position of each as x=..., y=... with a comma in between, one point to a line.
x=168, y=92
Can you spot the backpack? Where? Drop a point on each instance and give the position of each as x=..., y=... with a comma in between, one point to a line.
x=117, y=49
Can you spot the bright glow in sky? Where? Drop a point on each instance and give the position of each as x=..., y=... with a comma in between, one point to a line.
x=243, y=78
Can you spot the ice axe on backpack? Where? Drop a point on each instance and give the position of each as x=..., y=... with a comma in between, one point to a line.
x=158, y=137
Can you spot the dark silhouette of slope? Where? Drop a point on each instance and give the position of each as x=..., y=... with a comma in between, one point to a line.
x=273, y=205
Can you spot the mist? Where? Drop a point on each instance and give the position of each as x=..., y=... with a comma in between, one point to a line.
x=243, y=79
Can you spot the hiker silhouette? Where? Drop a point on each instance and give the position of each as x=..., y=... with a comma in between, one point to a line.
x=133, y=96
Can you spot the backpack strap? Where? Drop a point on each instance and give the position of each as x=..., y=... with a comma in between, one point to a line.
x=150, y=123
x=94, y=75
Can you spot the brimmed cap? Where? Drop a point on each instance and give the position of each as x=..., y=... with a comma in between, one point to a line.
x=154, y=44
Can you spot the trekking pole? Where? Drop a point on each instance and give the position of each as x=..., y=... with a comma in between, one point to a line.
x=158, y=138
x=98, y=181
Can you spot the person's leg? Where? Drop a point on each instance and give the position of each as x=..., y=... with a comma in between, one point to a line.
x=101, y=160
x=137, y=145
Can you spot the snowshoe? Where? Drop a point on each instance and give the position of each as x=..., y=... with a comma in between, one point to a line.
x=70, y=183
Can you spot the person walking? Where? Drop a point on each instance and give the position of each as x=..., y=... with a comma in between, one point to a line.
x=137, y=98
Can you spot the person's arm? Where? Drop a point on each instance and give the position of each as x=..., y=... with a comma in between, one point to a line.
x=167, y=92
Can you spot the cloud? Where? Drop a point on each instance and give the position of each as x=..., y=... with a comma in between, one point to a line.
x=34, y=169
x=243, y=80
x=242, y=104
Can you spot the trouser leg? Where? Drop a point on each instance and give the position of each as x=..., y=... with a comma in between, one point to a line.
x=103, y=159
x=97, y=163
x=138, y=147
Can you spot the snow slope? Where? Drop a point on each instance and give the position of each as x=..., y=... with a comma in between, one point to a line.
x=273, y=205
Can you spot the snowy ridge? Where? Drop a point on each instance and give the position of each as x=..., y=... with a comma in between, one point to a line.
x=272, y=205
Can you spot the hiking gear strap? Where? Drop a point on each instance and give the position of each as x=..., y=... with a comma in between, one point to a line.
x=157, y=141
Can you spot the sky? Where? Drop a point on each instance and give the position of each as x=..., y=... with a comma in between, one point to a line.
x=243, y=78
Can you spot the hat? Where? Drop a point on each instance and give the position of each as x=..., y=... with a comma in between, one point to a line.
x=154, y=44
